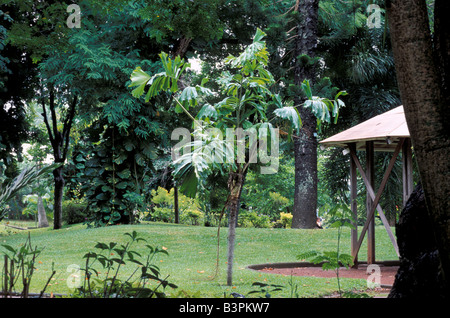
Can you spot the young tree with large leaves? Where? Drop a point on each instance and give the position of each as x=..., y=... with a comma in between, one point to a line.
x=248, y=106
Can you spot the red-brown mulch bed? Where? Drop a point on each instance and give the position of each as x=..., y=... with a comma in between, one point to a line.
x=387, y=271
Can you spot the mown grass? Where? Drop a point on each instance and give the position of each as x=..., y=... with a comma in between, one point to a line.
x=191, y=262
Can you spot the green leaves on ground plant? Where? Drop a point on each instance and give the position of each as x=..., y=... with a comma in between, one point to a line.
x=328, y=259
x=265, y=289
x=113, y=257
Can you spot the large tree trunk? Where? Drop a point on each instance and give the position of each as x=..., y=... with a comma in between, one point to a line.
x=305, y=147
x=424, y=87
x=419, y=274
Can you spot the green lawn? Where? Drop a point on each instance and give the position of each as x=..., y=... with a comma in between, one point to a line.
x=192, y=255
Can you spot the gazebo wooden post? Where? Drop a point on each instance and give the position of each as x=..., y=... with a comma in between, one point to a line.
x=376, y=197
x=354, y=206
x=370, y=173
x=407, y=170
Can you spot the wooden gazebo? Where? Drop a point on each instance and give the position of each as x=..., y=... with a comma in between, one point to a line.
x=387, y=132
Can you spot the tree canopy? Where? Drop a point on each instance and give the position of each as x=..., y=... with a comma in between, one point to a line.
x=107, y=90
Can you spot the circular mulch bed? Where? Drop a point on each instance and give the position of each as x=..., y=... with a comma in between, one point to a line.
x=387, y=271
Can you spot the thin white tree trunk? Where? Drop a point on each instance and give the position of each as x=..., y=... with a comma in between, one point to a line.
x=42, y=216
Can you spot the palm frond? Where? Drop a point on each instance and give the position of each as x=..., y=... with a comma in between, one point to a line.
x=26, y=177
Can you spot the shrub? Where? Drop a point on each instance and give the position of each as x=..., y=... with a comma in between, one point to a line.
x=21, y=268
x=162, y=214
x=74, y=211
x=253, y=219
x=111, y=257
x=193, y=215
x=286, y=219
x=163, y=209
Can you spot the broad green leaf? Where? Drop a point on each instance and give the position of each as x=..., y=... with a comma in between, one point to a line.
x=207, y=111
x=307, y=89
x=189, y=184
x=336, y=224
x=129, y=145
x=150, y=150
x=190, y=95
x=9, y=248
x=139, y=78
x=204, y=81
x=106, y=188
x=259, y=35
x=125, y=174
x=178, y=109
x=102, y=196
x=101, y=246
x=203, y=90
x=291, y=114
x=121, y=185
x=319, y=108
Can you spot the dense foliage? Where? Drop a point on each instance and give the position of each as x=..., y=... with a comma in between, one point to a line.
x=119, y=147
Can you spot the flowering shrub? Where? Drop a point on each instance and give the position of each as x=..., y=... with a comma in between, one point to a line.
x=286, y=219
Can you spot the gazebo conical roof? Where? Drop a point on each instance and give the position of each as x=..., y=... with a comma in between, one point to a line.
x=387, y=132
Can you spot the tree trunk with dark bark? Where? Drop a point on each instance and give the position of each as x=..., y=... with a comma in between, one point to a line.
x=60, y=144
x=419, y=274
x=58, y=197
x=305, y=146
x=422, y=62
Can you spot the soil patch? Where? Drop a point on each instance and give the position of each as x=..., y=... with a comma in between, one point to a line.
x=387, y=271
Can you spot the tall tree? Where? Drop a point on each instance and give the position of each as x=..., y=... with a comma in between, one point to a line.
x=422, y=60
x=59, y=140
x=305, y=147
x=33, y=25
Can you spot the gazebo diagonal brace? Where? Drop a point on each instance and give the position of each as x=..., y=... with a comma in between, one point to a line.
x=376, y=198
